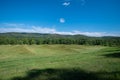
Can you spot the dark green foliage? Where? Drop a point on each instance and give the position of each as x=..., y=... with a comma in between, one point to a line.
x=36, y=38
x=67, y=74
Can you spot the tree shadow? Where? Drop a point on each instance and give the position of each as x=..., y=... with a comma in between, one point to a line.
x=114, y=55
x=67, y=74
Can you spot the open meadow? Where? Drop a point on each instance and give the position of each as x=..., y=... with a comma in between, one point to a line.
x=59, y=62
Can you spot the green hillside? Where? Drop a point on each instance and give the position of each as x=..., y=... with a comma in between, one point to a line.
x=59, y=62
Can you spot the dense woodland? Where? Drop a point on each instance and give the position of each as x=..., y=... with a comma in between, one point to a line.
x=38, y=39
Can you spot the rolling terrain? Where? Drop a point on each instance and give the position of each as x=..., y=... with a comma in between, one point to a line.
x=59, y=62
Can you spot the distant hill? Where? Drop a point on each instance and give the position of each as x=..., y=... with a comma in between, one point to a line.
x=36, y=35
x=38, y=38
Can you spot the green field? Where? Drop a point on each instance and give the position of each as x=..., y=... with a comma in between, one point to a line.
x=59, y=62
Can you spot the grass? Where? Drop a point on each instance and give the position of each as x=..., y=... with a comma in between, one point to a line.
x=59, y=62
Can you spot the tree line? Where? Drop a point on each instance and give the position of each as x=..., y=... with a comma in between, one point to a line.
x=38, y=39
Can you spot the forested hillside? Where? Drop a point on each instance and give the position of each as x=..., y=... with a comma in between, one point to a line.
x=36, y=38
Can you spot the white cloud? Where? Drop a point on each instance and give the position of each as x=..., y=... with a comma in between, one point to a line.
x=62, y=20
x=90, y=33
x=39, y=29
x=12, y=27
x=43, y=29
x=31, y=30
x=66, y=3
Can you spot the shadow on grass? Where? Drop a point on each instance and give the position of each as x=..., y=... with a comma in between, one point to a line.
x=114, y=55
x=67, y=74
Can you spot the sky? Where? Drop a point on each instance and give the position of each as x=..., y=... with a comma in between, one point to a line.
x=86, y=17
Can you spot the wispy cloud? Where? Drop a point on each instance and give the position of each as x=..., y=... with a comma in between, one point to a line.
x=66, y=3
x=13, y=25
x=62, y=20
x=97, y=34
x=39, y=29
x=83, y=2
x=43, y=29
x=31, y=30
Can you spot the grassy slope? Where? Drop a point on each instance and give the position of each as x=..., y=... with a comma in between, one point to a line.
x=19, y=60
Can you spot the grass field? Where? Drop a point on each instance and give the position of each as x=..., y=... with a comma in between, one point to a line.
x=59, y=62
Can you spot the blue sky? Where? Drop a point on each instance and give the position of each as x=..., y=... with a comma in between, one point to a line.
x=87, y=17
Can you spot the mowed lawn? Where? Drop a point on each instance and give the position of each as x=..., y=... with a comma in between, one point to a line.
x=59, y=62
